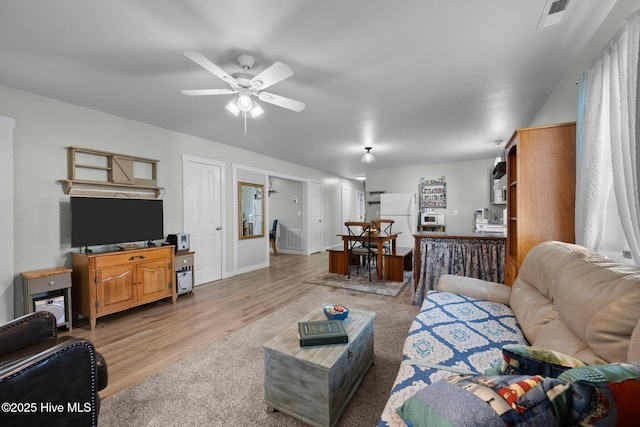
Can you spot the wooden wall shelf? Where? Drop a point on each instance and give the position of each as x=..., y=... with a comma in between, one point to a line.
x=376, y=194
x=433, y=193
x=97, y=188
x=101, y=173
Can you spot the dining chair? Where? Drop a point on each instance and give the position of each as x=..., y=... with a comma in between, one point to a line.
x=272, y=236
x=359, y=245
x=384, y=227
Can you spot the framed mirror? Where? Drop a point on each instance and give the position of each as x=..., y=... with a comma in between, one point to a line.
x=250, y=210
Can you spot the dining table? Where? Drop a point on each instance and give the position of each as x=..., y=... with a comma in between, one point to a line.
x=379, y=239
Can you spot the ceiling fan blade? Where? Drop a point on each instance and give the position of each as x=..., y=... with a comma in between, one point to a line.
x=199, y=92
x=281, y=101
x=272, y=75
x=211, y=67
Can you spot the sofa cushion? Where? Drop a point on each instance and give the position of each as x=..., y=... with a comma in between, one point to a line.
x=460, y=332
x=451, y=334
x=607, y=393
x=529, y=360
x=476, y=400
x=572, y=300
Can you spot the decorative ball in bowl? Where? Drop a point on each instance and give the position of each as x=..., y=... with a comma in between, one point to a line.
x=336, y=312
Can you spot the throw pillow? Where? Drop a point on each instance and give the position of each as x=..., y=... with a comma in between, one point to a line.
x=604, y=395
x=529, y=360
x=477, y=400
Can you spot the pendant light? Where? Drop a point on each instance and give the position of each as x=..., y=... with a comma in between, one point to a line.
x=368, y=157
x=498, y=159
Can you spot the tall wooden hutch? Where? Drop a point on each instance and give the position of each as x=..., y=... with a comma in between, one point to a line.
x=541, y=187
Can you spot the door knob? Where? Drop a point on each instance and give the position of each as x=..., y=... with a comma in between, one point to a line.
x=218, y=228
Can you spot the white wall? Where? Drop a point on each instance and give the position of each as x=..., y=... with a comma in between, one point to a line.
x=44, y=127
x=561, y=105
x=6, y=217
x=468, y=186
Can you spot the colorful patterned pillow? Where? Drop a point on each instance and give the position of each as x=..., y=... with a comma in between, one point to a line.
x=604, y=395
x=472, y=400
x=529, y=360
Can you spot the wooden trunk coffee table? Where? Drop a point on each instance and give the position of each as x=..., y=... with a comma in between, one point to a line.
x=315, y=384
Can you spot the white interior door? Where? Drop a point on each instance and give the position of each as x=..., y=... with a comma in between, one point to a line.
x=360, y=209
x=315, y=217
x=202, y=180
x=346, y=208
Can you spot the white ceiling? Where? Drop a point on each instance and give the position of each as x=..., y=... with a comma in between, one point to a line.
x=421, y=81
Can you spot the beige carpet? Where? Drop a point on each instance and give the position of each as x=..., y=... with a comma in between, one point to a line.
x=360, y=282
x=222, y=385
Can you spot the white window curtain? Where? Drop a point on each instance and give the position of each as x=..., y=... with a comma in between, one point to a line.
x=608, y=148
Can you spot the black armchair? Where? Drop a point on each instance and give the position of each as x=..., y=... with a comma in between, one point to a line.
x=46, y=379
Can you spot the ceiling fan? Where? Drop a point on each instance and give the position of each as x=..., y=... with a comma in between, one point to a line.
x=246, y=85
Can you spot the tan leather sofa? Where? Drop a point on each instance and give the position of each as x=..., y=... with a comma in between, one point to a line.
x=569, y=299
x=565, y=298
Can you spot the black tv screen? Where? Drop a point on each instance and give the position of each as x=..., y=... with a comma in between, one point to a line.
x=104, y=221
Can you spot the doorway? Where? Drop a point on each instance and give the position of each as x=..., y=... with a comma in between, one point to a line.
x=315, y=217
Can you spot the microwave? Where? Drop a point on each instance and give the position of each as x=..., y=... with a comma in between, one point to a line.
x=431, y=219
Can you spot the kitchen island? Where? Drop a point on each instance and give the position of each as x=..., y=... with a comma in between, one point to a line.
x=479, y=255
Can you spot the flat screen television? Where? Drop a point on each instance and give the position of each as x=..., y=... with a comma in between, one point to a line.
x=105, y=221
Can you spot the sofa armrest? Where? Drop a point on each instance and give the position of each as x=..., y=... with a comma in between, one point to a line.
x=475, y=288
x=61, y=373
x=26, y=331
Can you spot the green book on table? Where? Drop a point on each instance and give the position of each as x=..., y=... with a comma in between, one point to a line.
x=322, y=332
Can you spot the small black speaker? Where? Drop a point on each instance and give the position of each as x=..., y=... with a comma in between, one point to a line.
x=180, y=240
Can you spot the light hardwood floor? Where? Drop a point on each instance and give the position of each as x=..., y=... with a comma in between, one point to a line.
x=141, y=341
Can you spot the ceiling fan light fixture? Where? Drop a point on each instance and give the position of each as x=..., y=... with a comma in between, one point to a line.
x=256, y=110
x=232, y=106
x=244, y=100
x=368, y=157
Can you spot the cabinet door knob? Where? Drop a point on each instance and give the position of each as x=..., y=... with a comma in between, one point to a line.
x=51, y=283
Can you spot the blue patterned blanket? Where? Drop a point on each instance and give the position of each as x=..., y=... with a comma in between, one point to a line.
x=451, y=334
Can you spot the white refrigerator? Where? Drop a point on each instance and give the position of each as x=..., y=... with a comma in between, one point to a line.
x=402, y=208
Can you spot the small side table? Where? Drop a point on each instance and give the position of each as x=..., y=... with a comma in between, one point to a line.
x=185, y=278
x=54, y=282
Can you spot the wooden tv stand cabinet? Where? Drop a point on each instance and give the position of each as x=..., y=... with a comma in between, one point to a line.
x=109, y=282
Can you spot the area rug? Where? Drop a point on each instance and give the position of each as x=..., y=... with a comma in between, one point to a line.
x=360, y=282
x=223, y=384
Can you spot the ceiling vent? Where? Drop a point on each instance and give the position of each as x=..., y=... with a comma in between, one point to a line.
x=553, y=13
